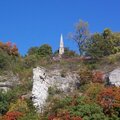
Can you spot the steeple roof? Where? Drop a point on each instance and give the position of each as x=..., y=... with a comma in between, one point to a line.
x=61, y=41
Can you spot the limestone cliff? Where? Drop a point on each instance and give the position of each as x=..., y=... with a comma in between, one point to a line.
x=8, y=81
x=43, y=79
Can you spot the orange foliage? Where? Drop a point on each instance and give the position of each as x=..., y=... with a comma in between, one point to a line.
x=9, y=44
x=14, y=50
x=109, y=98
x=12, y=115
x=98, y=77
x=63, y=116
x=9, y=48
x=76, y=118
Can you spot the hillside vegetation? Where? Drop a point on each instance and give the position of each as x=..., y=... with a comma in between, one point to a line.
x=94, y=99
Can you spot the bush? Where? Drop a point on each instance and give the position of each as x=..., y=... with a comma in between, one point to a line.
x=4, y=60
x=19, y=105
x=4, y=103
x=9, y=48
x=30, y=116
x=32, y=51
x=30, y=61
x=98, y=77
x=88, y=111
x=69, y=53
x=71, y=108
x=93, y=90
x=85, y=76
x=109, y=99
x=14, y=115
x=44, y=50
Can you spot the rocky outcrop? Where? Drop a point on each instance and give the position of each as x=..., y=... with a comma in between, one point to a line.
x=43, y=79
x=114, y=77
x=8, y=81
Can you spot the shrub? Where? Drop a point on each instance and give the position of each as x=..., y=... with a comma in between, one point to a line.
x=9, y=48
x=97, y=77
x=69, y=53
x=63, y=73
x=4, y=60
x=30, y=61
x=20, y=105
x=32, y=51
x=87, y=111
x=85, y=76
x=30, y=116
x=14, y=115
x=44, y=50
x=93, y=90
x=76, y=108
x=4, y=104
x=109, y=99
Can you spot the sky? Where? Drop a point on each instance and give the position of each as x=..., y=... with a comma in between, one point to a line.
x=29, y=23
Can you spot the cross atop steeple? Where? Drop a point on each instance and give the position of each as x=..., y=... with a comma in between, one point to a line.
x=61, y=49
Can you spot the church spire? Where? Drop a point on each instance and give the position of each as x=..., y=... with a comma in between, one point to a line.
x=61, y=49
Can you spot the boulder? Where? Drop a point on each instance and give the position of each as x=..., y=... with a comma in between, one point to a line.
x=114, y=77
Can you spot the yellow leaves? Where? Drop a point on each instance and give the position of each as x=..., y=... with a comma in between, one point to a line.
x=20, y=105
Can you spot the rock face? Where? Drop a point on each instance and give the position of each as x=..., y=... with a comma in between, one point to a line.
x=114, y=77
x=43, y=79
x=8, y=81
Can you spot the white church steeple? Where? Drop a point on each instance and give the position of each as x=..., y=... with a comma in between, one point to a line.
x=61, y=49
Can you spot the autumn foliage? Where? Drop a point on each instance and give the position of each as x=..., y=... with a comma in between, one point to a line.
x=109, y=99
x=64, y=116
x=10, y=48
x=97, y=77
x=12, y=115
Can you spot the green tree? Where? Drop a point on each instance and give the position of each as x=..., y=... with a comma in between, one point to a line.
x=32, y=51
x=44, y=50
x=69, y=53
x=4, y=60
x=80, y=35
x=103, y=44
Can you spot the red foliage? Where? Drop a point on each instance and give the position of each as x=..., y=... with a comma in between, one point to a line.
x=76, y=118
x=14, y=50
x=9, y=44
x=9, y=48
x=51, y=117
x=109, y=98
x=12, y=115
x=63, y=116
x=98, y=77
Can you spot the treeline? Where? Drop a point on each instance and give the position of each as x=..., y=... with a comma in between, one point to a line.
x=96, y=45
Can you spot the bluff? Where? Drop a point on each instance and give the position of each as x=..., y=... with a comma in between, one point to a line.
x=43, y=79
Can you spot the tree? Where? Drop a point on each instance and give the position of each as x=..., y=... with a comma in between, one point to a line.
x=32, y=50
x=80, y=35
x=44, y=50
x=102, y=44
x=95, y=46
x=69, y=53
